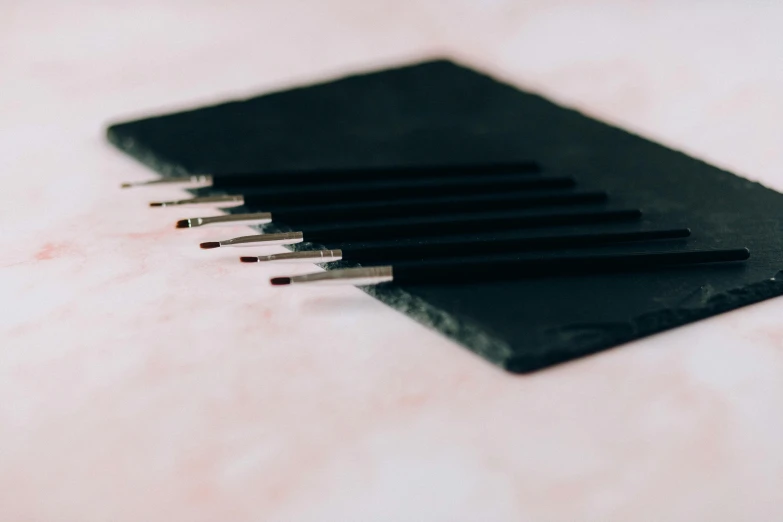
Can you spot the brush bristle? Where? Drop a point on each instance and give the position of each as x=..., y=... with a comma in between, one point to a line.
x=249, y=259
x=280, y=281
x=156, y=204
x=183, y=223
x=126, y=185
x=210, y=244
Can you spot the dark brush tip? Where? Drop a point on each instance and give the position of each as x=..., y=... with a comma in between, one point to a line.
x=280, y=281
x=156, y=204
x=210, y=244
x=183, y=223
x=249, y=259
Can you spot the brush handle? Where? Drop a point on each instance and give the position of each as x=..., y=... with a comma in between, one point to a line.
x=462, y=271
x=462, y=248
x=431, y=206
x=376, y=191
x=460, y=224
x=293, y=177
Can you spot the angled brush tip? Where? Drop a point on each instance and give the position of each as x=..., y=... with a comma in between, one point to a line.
x=183, y=223
x=249, y=259
x=280, y=281
x=210, y=244
x=156, y=204
x=126, y=185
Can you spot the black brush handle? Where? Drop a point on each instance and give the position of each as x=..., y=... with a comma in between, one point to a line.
x=464, y=271
x=431, y=206
x=462, y=223
x=462, y=248
x=359, y=192
x=295, y=176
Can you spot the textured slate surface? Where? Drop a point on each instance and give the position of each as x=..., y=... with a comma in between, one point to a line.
x=438, y=112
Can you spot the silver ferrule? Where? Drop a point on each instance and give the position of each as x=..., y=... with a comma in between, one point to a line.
x=371, y=275
x=283, y=238
x=257, y=218
x=305, y=256
x=186, y=182
x=204, y=200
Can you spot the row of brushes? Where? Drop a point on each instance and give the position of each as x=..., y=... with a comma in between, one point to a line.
x=409, y=224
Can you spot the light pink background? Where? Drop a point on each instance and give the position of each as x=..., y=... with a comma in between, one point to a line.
x=142, y=379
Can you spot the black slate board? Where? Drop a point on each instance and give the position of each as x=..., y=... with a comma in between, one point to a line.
x=440, y=112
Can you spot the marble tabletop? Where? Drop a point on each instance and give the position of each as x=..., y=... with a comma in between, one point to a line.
x=142, y=379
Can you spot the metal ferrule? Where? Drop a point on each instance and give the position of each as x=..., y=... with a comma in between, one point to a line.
x=257, y=218
x=283, y=238
x=305, y=256
x=371, y=275
x=204, y=200
x=186, y=181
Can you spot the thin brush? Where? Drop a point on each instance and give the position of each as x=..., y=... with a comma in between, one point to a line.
x=510, y=268
x=318, y=214
x=284, y=238
x=447, y=224
x=257, y=218
x=196, y=181
x=468, y=248
x=376, y=190
x=202, y=200
x=293, y=177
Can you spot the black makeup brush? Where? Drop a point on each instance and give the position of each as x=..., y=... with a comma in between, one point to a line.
x=445, y=224
x=467, y=248
x=320, y=214
x=269, y=178
x=510, y=268
x=376, y=190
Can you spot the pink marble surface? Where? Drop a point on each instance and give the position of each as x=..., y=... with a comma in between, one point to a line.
x=144, y=379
